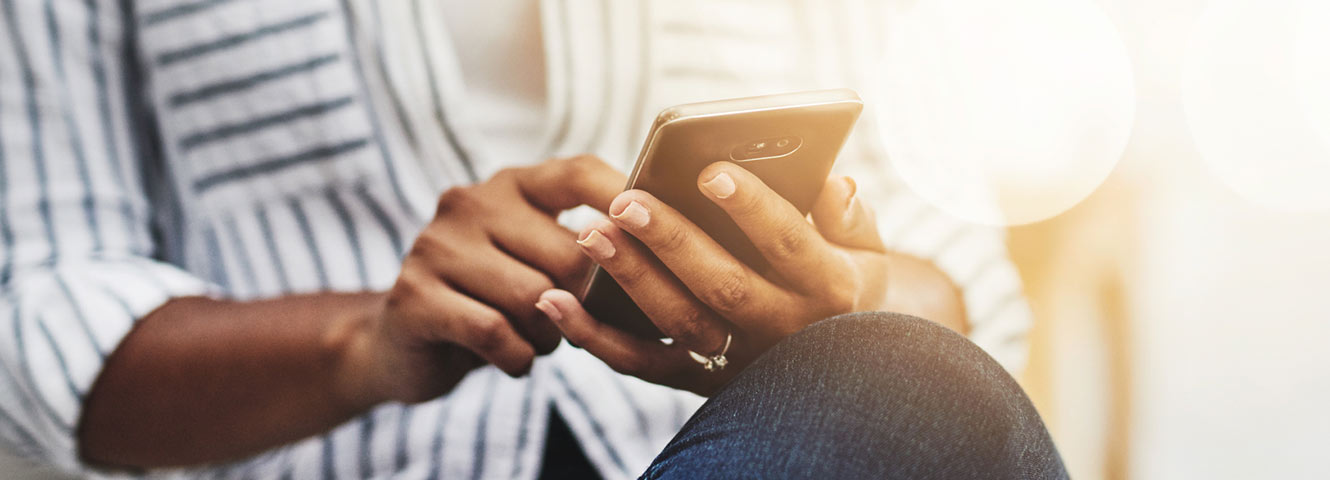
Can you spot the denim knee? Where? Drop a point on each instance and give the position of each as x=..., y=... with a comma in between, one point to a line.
x=908, y=342
x=903, y=360
x=920, y=398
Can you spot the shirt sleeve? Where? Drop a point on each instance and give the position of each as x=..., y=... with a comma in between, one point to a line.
x=76, y=267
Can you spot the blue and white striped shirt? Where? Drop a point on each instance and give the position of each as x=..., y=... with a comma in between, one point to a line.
x=152, y=149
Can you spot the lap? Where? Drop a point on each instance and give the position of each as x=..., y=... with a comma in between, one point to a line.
x=866, y=395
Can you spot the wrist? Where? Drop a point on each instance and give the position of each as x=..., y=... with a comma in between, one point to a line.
x=355, y=343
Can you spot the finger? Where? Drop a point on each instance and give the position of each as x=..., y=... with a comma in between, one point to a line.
x=790, y=244
x=565, y=183
x=666, y=301
x=538, y=240
x=504, y=283
x=843, y=219
x=714, y=276
x=464, y=321
x=649, y=360
x=487, y=332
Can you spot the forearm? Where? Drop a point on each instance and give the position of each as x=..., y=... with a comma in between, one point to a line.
x=202, y=380
x=917, y=287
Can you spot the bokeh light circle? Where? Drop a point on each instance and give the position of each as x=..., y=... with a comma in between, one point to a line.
x=1256, y=92
x=1004, y=113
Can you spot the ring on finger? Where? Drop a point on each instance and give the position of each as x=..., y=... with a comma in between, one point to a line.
x=716, y=362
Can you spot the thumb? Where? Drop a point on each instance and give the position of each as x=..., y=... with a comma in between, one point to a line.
x=843, y=219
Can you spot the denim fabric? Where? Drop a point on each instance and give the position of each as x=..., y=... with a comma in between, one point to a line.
x=868, y=395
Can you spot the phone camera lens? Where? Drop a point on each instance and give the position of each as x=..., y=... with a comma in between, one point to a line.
x=765, y=148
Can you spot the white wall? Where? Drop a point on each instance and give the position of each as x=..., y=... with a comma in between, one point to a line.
x=1229, y=300
x=1232, y=312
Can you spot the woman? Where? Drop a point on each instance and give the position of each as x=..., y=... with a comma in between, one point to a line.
x=225, y=253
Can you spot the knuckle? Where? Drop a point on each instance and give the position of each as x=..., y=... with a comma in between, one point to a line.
x=487, y=332
x=691, y=327
x=506, y=174
x=410, y=284
x=400, y=295
x=429, y=244
x=418, y=250
x=437, y=247
x=582, y=165
x=672, y=238
x=628, y=272
x=789, y=240
x=730, y=293
x=455, y=199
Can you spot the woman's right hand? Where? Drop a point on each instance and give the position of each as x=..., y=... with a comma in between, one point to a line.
x=467, y=290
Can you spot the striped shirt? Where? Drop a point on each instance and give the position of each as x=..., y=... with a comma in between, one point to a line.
x=246, y=149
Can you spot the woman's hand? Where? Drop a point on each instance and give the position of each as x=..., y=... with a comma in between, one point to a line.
x=697, y=293
x=203, y=381
x=467, y=288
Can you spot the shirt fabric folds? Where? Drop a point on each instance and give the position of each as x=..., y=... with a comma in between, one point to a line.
x=246, y=149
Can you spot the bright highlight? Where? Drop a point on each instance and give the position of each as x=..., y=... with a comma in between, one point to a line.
x=1256, y=90
x=1004, y=113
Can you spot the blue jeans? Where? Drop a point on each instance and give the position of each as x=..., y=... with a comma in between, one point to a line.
x=867, y=395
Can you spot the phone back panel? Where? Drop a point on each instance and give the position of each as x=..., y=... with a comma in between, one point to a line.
x=686, y=139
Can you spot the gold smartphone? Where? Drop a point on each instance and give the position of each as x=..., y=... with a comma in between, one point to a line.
x=788, y=140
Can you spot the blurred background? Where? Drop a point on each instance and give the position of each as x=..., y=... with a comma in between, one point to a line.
x=1163, y=167
x=1176, y=261
x=1183, y=308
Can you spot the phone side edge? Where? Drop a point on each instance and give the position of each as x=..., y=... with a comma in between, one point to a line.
x=663, y=118
x=758, y=103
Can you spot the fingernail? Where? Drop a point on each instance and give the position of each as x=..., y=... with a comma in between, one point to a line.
x=550, y=310
x=634, y=214
x=721, y=185
x=596, y=244
x=849, y=183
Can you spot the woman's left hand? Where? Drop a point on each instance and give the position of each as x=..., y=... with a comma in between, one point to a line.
x=697, y=293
